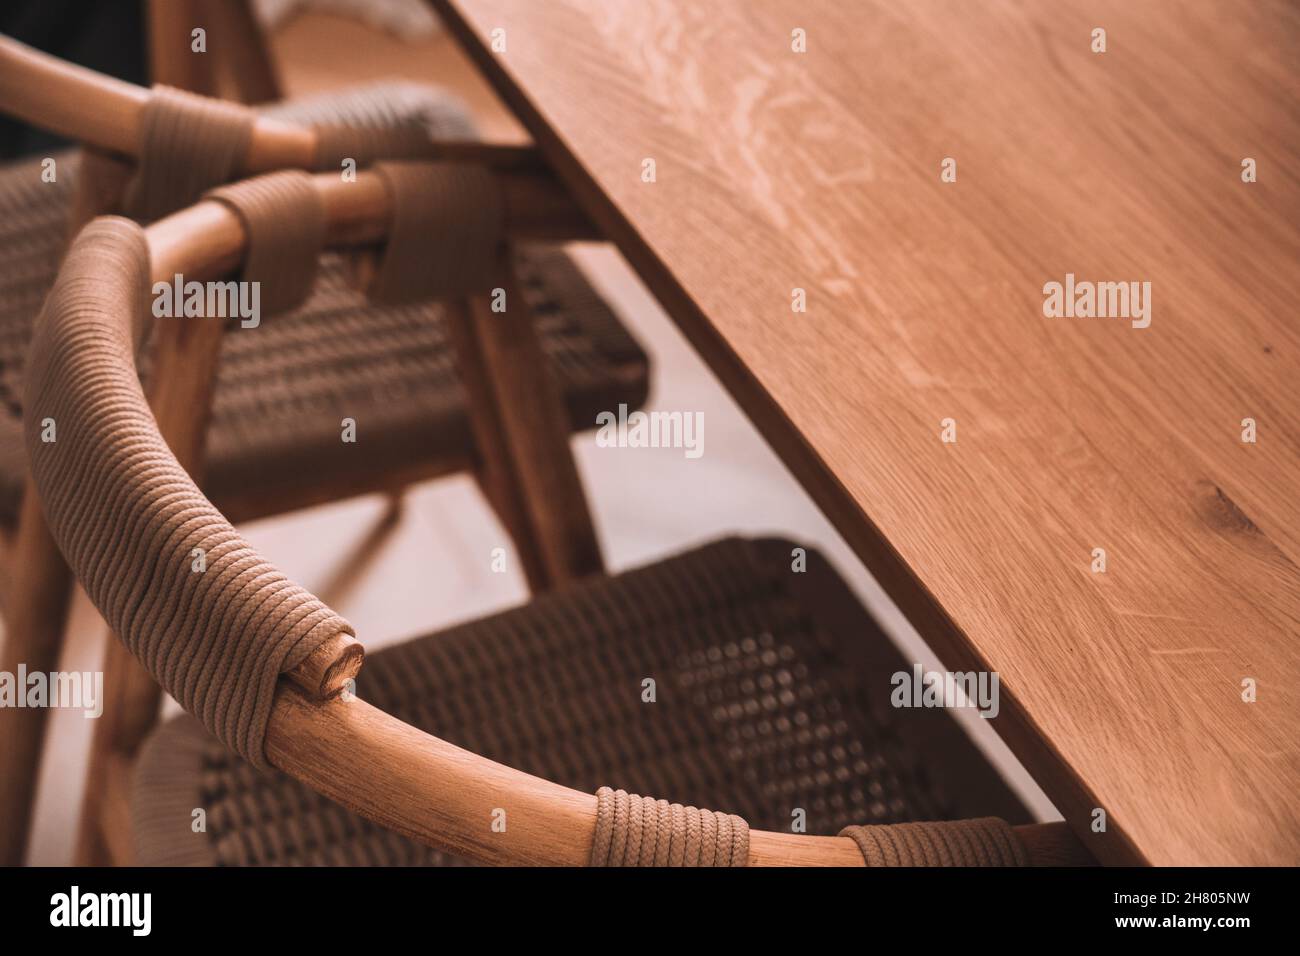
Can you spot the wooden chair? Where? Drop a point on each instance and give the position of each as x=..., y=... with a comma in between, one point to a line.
x=765, y=696
x=406, y=392
x=597, y=363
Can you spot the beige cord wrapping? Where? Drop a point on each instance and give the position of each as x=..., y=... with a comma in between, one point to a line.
x=335, y=143
x=641, y=831
x=284, y=219
x=446, y=235
x=188, y=143
x=128, y=518
x=986, y=841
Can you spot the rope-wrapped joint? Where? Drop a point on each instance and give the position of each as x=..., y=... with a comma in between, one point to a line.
x=187, y=144
x=984, y=841
x=641, y=831
x=336, y=143
x=284, y=220
x=391, y=121
x=447, y=232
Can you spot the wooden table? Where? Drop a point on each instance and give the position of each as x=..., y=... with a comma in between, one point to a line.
x=821, y=170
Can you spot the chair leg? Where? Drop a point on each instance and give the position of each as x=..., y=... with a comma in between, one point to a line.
x=336, y=588
x=499, y=487
x=131, y=700
x=495, y=472
x=6, y=571
x=42, y=587
x=528, y=472
x=171, y=58
x=115, y=821
x=537, y=431
x=242, y=50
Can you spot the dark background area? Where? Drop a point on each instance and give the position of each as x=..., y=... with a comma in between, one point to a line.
x=107, y=36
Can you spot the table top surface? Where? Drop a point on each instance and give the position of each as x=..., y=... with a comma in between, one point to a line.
x=1123, y=689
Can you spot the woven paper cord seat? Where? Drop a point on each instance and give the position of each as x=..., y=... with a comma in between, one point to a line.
x=284, y=387
x=772, y=693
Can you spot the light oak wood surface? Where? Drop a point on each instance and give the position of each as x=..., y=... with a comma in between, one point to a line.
x=1121, y=691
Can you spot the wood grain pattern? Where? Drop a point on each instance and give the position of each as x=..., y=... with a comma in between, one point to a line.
x=821, y=170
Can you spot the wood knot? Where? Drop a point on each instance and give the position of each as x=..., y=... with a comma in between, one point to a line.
x=1221, y=512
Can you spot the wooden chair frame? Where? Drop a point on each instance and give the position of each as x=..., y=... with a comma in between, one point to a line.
x=524, y=464
x=378, y=766
x=248, y=61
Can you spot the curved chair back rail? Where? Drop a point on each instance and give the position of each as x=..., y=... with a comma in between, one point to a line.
x=353, y=753
x=103, y=111
x=107, y=113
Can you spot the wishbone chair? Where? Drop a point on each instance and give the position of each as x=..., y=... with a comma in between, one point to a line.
x=518, y=450
x=267, y=667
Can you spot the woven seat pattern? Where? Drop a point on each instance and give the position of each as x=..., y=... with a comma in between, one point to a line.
x=771, y=696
